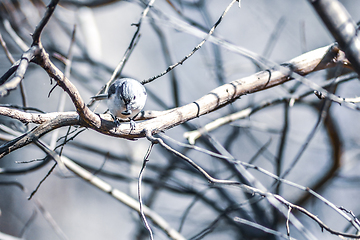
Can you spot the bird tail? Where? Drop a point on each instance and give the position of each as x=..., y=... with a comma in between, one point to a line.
x=100, y=97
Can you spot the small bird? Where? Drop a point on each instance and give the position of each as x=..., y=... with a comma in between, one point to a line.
x=126, y=97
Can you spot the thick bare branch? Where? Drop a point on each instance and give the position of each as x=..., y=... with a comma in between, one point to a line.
x=227, y=93
x=192, y=136
x=38, y=118
x=85, y=113
x=342, y=27
x=36, y=133
x=214, y=100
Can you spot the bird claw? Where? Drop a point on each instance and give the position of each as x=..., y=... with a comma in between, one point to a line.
x=132, y=124
x=116, y=120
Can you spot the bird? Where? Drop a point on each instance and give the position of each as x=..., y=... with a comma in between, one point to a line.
x=126, y=97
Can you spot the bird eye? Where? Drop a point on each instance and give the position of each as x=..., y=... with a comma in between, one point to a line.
x=134, y=97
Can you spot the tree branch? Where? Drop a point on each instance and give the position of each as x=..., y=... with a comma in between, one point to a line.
x=342, y=27
x=36, y=133
x=40, y=27
x=20, y=72
x=318, y=59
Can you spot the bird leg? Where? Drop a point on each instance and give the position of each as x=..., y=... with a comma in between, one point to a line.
x=132, y=124
x=116, y=120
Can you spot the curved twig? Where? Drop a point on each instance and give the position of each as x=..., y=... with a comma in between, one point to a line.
x=268, y=194
x=259, y=189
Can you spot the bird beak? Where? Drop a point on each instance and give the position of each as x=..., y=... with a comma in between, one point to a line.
x=126, y=112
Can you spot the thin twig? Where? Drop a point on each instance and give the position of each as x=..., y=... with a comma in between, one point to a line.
x=166, y=53
x=39, y=28
x=188, y=160
x=9, y=72
x=22, y=45
x=62, y=99
x=60, y=233
x=133, y=42
x=187, y=210
x=322, y=116
x=53, y=155
x=316, y=219
x=281, y=147
x=287, y=70
x=260, y=189
x=207, y=230
x=275, y=34
x=287, y=222
x=118, y=69
x=122, y=197
x=28, y=223
x=42, y=210
x=262, y=228
x=12, y=61
x=274, y=176
x=42, y=180
x=146, y=159
x=20, y=72
x=194, y=50
x=7, y=52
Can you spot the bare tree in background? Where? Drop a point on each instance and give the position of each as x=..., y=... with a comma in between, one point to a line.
x=231, y=144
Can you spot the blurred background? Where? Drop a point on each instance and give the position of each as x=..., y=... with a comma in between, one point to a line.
x=325, y=149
